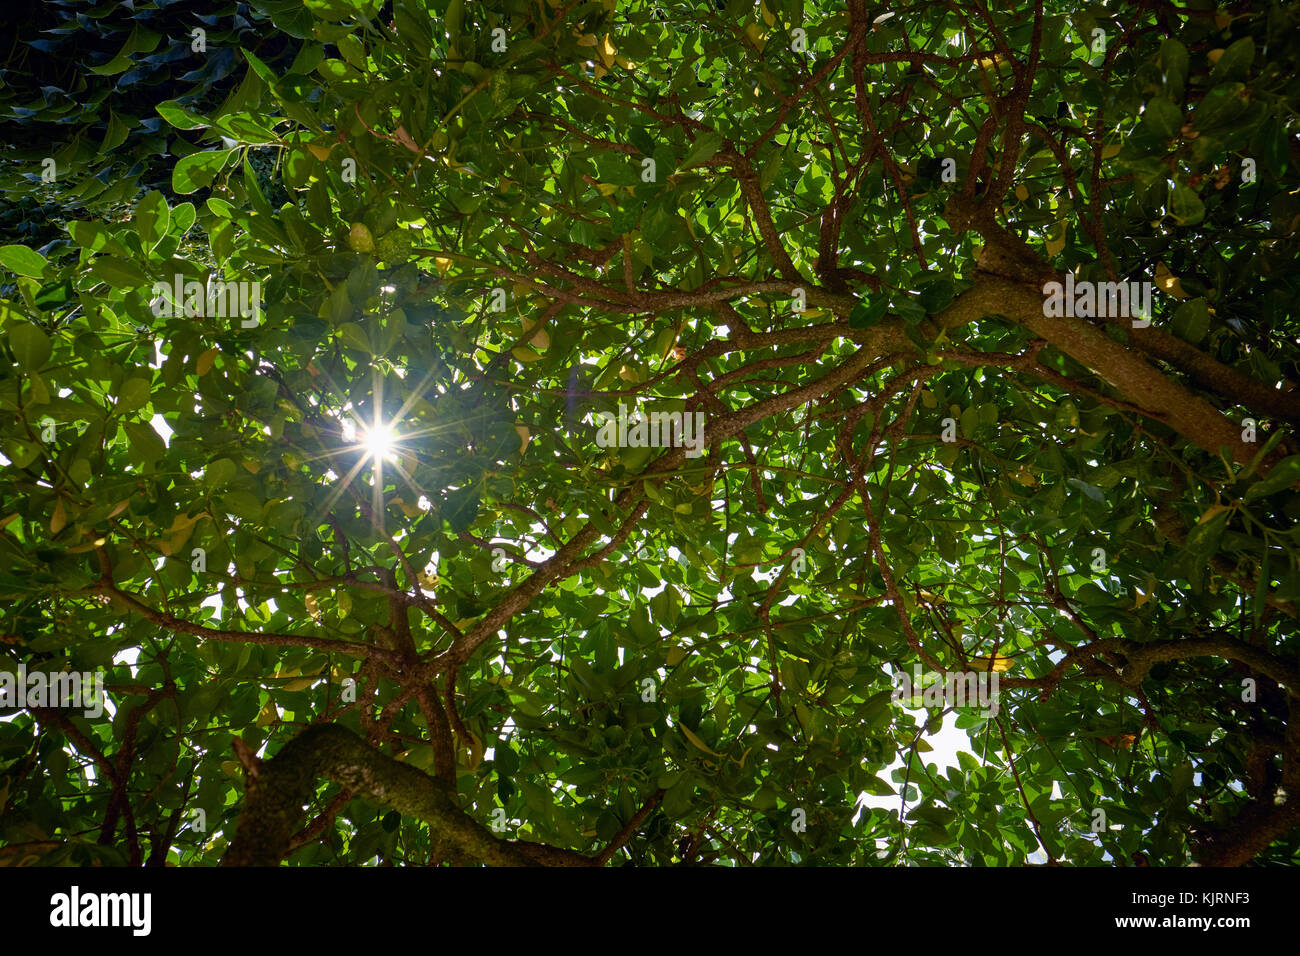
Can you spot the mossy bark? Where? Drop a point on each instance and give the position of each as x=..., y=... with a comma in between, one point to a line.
x=281, y=787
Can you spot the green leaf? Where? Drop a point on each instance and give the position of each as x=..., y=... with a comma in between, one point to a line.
x=55, y=295
x=30, y=345
x=119, y=273
x=180, y=116
x=146, y=444
x=92, y=236
x=936, y=295
x=1162, y=117
x=1221, y=106
x=1270, y=144
x=197, y=170
x=1174, y=62
x=134, y=394
x=218, y=473
x=115, y=134
x=152, y=219
x=877, y=787
x=1185, y=205
x=1234, y=62
x=354, y=336
x=182, y=217
x=1203, y=540
x=1192, y=320
x=868, y=313
x=24, y=261
x=245, y=129
x=264, y=72
x=704, y=147
x=1282, y=475
x=243, y=504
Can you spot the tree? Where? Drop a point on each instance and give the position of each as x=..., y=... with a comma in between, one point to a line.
x=568, y=432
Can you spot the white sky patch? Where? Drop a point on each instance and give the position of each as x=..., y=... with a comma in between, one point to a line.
x=947, y=741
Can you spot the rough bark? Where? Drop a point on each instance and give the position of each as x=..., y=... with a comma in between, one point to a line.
x=278, y=790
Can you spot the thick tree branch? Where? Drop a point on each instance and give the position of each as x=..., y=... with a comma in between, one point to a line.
x=280, y=788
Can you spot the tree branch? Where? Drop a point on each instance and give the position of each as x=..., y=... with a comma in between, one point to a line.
x=283, y=785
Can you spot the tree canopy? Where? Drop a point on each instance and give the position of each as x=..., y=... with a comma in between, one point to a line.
x=327, y=327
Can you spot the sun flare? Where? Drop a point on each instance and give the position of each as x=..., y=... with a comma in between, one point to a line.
x=379, y=442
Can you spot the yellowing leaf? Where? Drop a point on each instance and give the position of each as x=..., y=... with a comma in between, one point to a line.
x=183, y=521
x=203, y=364
x=524, y=354
x=1169, y=283
x=697, y=741
x=313, y=608
x=320, y=152
x=1214, y=54
x=1022, y=193
x=269, y=715
x=1025, y=476
x=524, y=437
x=302, y=683
x=999, y=663
x=606, y=189
x=475, y=748
x=768, y=18
x=360, y=239
x=59, y=519
x=606, y=51
x=588, y=39
x=1110, y=150
x=1211, y=511
x=1055, y=243
x=442, y=265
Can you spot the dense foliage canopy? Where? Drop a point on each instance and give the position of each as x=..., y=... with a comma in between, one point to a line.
x=381, y=506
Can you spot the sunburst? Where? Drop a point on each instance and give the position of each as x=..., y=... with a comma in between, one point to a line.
x=376, y=443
